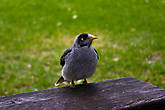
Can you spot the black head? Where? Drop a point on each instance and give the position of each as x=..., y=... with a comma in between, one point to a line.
x=84, y=39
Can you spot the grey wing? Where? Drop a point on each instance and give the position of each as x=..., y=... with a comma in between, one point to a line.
x=62, y=59
x=96, y=53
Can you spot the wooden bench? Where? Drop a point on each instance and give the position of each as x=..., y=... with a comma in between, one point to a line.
x=118, y=94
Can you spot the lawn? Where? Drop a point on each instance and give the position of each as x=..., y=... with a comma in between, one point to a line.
x=34, y=34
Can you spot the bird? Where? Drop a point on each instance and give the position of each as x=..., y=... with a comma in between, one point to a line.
x=79, y=61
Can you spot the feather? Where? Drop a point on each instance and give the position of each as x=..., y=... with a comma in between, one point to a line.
x=61, y=80
x=96, y=53
x=62, y=59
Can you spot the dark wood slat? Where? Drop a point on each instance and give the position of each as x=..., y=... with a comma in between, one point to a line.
x=118, y=94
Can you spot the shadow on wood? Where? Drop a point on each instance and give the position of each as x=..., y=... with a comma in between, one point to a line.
x=118, y=94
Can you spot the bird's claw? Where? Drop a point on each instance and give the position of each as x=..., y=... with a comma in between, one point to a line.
x=72, y=86
x=85, y=82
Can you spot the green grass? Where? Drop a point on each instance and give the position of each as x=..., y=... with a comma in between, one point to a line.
x=34, y=34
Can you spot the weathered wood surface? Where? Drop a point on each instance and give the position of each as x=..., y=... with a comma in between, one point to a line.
x=118, y=94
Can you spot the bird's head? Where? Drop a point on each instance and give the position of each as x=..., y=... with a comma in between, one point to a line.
x=84, y=39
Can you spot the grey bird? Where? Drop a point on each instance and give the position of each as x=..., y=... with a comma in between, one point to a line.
x=79, y=61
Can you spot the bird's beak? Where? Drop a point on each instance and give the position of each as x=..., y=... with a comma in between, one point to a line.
x=93, y=37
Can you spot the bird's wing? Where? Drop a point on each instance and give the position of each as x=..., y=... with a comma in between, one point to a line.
x=62, y=59
x=96, y=53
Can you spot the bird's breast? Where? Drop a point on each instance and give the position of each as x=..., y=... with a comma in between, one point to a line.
x=84, y=55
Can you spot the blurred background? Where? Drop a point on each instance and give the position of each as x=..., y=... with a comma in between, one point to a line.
x=35, y=33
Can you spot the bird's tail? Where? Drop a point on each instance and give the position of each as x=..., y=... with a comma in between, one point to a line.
x=61, y=80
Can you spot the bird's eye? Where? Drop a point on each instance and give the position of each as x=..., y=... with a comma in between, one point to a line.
x=82, y=38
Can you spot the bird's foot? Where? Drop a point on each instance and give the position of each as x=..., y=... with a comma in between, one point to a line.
x=73, y=85
x=85, y=82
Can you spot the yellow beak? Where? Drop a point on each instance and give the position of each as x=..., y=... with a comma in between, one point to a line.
x=93, y=37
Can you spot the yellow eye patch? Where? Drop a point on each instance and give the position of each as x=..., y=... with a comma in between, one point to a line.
x=82, y=38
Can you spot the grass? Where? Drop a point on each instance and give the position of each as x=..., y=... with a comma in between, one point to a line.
x=34, y=34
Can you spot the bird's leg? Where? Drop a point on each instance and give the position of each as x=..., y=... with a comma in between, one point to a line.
x=72, y=84
x=85, y=82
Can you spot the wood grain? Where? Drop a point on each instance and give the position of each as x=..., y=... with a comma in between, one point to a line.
x=118, y=94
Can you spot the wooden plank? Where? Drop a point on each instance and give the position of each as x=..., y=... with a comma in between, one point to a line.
x=118, y=94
